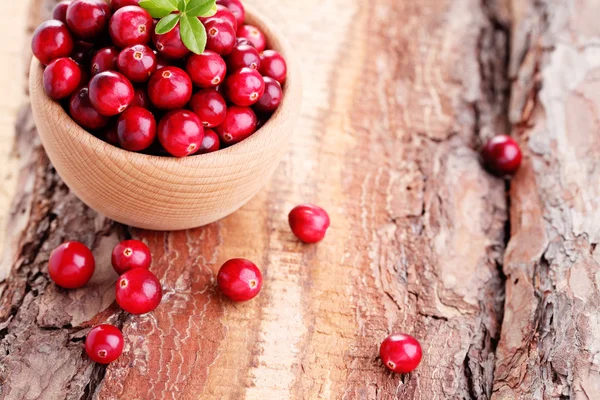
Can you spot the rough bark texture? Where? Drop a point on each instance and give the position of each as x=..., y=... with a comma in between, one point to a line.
x=399, y=97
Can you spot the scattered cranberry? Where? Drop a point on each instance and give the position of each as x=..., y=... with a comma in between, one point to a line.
x=136, y=129
x=170, y=88
x=309, y=223
x=236, y=8
x=88, y=19
x=273, y=65
x=400, y=353
x=105, y=60
x=104, y=344
x=239, y=124
x=244, y=87
x=110, y=93
x=210, y=143
x=243, y=56
x=210, y=107
x=130, y=25
x=272, y=97
x=140, y=98
x=71, y=265
x=254, y=36
x=60, y=11
x=502, y=155
x=220, y=36
x=130, y=254
x=138, y=291
x=116, y=4
x=82, y=111
x=240, y=279
x=207, y=69
x=169, y=45
x=180, y=132
x=137, y=62
x=61, y=78
x=225, y=14
x=51, y=40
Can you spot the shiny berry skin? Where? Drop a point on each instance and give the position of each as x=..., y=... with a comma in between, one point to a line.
x=59, y=12
x=502, y=155
x=244, y=87
x=61, y=78
x=273, y=65
x=82, y=111
x=116, y=4
x=51, y=40
x=180, y=132
x=169, y=44
x=207, y=69
x=136, y=129
x=225, y=14
x=138, y=291
x=130, y=254
x=240, y=279
x=239, y=41
x=272, y=97
x=71, y=265
x=88, y=19
x=170, y=88
x=140, y=98
x=130, y=25
x=400, y=353
x=254, y=36
x=309, y=223
x=110, y=93
x=210, y=107
x=236, y=8
x=210, y=143
x=104, y=344
x=137, y=63
x=240, y=122
x=220, y=36
x=105, y=60
x=243, y=56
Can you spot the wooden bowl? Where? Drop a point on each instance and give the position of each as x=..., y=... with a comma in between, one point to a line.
x=163, y=193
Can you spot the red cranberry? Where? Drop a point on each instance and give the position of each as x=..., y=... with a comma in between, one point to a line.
x=243, y=56
x=273, y=65
x=137, y=63
x=82, y=111
x=136, y=129
x=110, y=93
x=400, y=353
x=170, y=88
x=140, y=98
x=240, y=279
x=309, y=223
x=244, y=87
x=272, y=97
x=207, y=69
x=169, y=45
x=110, y=135
x=88, y=19
x=239, y=123
x=138, y=291
x=210, y=143
x=210, y=107
x=61, y=78
x=220, y=36
x=130, y=254
x=82, y=53
x=239, y=41
x=116, y=4
x=180, y=132
x=236, y=8
x=104, y=344
x=71, y=265
x=502, y=155
x=60, y=11
x=130, y=25
x=254, y=35
x=105, y=60
x=51, y=40
x=225, y=14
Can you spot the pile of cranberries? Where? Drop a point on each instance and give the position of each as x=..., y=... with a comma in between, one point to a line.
x=146, y=92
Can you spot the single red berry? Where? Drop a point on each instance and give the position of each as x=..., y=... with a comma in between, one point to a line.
x=180, y=132
x=130, y=25
x=71, y=265
x=210, y=143
x=110, y=93
x=273, y=65
x=220, y=36
x=110, y=135
x=225, y=14
x=502, y=155
x=105, y=60
x=207, y=69
x=244, y=87
x=240, y=122
x=138, y=291
x=137, y=63
x=309, y=223
x=243, y=56
x=82, y=111
x=170, y=88
x=51, y=40
x=169, y=44
x=272, y=97
x=88, y=19
x=236, y=8
x=400, y=353
x=61, y=78
x=210, y=107
x=116, y=4
x=59, y=11
x=136, y=129
x=104, y=344
x=130, y=254
x=254, y=36
x=140, y=98
x=240, y=279
x=82, y=53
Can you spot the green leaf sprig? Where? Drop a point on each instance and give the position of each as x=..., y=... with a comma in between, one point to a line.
x=187, y=14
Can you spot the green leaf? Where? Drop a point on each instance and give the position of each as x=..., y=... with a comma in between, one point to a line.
x=193, y=34
x=154, y=10
x=167, y=24
x=210, y=12
x=197, y=8
x=166, y=4
x=181, y=5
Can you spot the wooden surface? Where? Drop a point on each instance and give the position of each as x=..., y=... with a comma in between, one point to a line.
x=498, y=280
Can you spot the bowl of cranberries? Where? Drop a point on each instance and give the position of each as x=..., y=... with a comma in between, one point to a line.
x=163, y=119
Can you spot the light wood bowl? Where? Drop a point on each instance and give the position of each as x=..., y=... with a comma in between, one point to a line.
x=162, y=193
